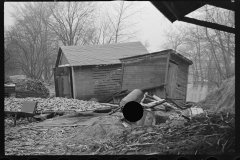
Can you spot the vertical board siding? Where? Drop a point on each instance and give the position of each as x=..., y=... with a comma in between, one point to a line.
x=83, y=82
x=73, y=81
x=158, y=91
x=144, y=73
x=181, y=82
x=97, y=81
x=172, y=79
x=62, y=82
x=56, y=82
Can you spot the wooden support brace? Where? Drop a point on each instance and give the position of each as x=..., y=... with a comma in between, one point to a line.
x=208, y=24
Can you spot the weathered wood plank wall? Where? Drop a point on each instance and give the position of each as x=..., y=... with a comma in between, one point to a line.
x=182, y=76
x=97, y=81
x=172, y=79
x=62, y=81
x=107, y=80
x=83, y=82
x=144, y=73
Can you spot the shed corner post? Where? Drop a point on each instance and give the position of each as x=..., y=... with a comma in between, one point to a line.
x=166, y=73
x=55, y=81
x=73, y=82
x=187, y=83
x=122, y=75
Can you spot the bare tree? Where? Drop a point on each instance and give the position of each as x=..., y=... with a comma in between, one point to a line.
x=71, y=21
x=223, y=41
x=7, y=54
x=118, y=22
x=31, y=40
x=212, y=51
x=175, y=37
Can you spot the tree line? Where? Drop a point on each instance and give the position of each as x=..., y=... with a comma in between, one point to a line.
x=212, y=51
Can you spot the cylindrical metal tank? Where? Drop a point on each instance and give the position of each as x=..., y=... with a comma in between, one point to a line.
x=148, y=117
x=136, y=95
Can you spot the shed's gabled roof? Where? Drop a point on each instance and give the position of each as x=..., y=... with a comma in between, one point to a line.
x=188, y=61
x=100, y=54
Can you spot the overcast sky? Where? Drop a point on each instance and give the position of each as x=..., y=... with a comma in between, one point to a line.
x=152, y=25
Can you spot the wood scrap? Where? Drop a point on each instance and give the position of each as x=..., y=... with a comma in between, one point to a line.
x=157, y=98
x=152, y=104
x=109, y=104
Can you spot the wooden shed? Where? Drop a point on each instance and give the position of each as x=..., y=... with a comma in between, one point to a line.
x=156, y=73
x=93, y=71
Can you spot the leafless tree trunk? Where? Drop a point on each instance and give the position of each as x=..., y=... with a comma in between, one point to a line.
x=70, y=21
x=211, y=51
x=30, y=39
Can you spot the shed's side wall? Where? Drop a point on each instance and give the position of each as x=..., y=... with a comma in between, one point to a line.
x=83, y=82
x=107, y=80
x=144, y=73
x=97, y=81
x=182, y=77
x=172, y=79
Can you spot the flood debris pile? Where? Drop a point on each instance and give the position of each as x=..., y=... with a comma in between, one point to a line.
x=31, y=85
x=34, y=140
x=205, y=134
x=200, y=128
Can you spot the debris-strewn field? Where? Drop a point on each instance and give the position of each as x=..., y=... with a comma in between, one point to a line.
x=204, y=134
x=208, y=133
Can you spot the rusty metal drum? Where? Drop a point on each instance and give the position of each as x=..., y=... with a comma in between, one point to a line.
x=136, y=95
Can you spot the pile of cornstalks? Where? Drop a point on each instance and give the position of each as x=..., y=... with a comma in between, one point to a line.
x=51, y=104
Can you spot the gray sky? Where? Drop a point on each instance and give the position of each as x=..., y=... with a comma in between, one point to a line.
x=152, y=25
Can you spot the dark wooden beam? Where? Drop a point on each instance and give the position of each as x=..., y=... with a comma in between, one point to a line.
x=208, y=24
x=172, y=8
x=222, y=4
x=55, y=82
x=71, y=82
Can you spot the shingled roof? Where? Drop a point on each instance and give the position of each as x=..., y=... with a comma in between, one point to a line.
x=100, y=54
